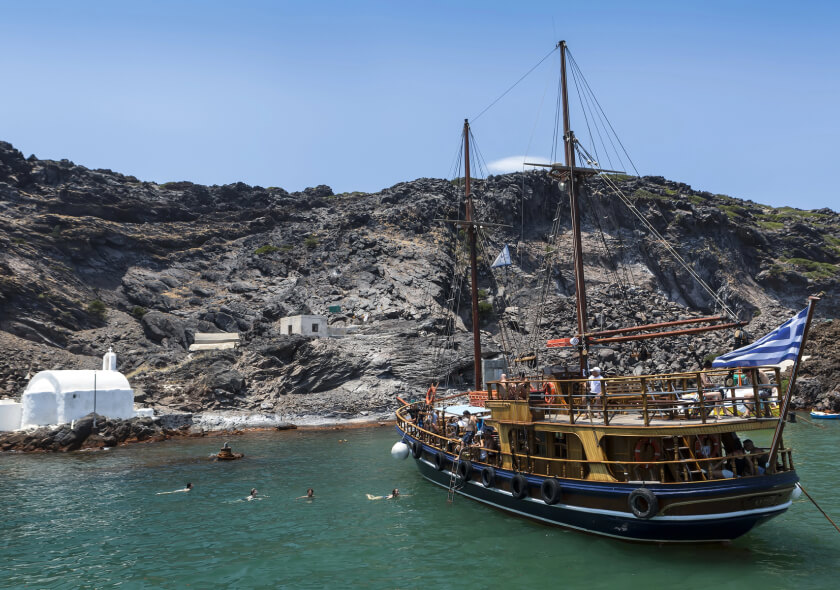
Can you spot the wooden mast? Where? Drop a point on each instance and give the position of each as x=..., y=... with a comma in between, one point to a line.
x=569, y=139
x=471, y=232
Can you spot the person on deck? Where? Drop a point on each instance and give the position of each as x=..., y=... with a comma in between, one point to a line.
x=712, y=392
x=595, y=382
x=764, y=394
x=743, y=466
x=503, y=386
x=470, y=427
x=757, y=457
x=452, y=427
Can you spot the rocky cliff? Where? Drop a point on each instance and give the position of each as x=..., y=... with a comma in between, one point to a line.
x=92, y=258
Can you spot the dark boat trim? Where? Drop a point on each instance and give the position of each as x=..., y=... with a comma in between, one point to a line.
x=714, y=527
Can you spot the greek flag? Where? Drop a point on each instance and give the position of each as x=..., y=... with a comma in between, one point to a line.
x=779, y=345
x=503, y=259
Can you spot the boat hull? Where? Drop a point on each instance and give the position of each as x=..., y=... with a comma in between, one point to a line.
x=824, y=416
x=687, y=528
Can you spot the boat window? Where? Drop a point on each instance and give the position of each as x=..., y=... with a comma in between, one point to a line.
x=541, y=443
x=559, y=441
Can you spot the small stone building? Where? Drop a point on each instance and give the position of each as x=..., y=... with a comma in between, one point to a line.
x=305, y=325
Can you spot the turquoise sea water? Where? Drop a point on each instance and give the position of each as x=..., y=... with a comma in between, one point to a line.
x=93, y=520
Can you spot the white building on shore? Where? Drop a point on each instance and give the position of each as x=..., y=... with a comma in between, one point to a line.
x=59, y=397
x=305, y=325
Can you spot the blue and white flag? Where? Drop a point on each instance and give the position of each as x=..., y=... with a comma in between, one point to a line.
x=779, y=345
x=503, y=259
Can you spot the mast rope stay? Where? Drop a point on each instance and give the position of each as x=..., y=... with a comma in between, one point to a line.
x=525, y=75
x=661, y=239
x=443, y=350
x=484, y=246
x=600, y=110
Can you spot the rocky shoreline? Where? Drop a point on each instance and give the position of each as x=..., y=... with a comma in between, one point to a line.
x=82, y=435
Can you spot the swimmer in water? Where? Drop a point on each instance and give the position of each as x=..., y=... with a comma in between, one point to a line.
x=395, y=493
x=310, y=495
x=186, y=489
x=252, y=495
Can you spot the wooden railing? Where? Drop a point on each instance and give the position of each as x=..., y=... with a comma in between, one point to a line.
x=684, y=470
x=675, y=396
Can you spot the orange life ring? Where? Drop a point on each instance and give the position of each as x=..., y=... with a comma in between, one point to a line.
x=430, y=394
x=651, y=442
x=549, y=392
x=710, y=440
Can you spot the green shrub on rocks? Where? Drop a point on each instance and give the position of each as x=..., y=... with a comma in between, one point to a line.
x=813, y=269
x=139, y=312
x=311, y=242
x=641, y=193
x=97, y=308
x=267, y=249
x=771, y=225
x=733, y=211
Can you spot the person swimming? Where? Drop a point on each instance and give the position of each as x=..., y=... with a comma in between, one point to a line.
x=187, y=488
x=395, y=493
x=252, y=495
x=310, y=495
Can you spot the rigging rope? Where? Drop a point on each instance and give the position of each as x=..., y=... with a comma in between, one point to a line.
x=442, y=350
x=818, y=506
x=525, y=75
x=630, y=205
x=600, y=109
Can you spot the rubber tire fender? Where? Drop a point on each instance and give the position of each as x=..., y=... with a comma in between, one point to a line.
x=488, y=477
x=417, y=449
x=551, y=491
x=440, y=461
x=649, y=498
x=465, y=469
x=519, y=486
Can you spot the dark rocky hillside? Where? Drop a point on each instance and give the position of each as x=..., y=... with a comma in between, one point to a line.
x=92, y=258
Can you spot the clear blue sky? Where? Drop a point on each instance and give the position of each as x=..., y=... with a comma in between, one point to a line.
x=732, y=97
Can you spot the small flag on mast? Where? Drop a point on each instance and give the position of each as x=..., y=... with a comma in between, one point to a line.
x=503, y=259
x=779, y=345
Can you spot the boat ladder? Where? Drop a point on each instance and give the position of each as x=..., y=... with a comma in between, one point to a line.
x=684, y=451
x=453, y=475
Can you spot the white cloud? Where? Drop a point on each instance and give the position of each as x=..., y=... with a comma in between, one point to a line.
x=514, y=164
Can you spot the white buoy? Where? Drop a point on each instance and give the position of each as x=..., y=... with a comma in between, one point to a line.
x=399, y=450
x=797, y=492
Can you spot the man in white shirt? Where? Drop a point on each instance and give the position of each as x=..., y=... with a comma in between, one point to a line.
x=595, y=390
x=594, y=383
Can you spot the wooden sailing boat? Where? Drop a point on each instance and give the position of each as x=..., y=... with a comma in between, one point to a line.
x=642, y=457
